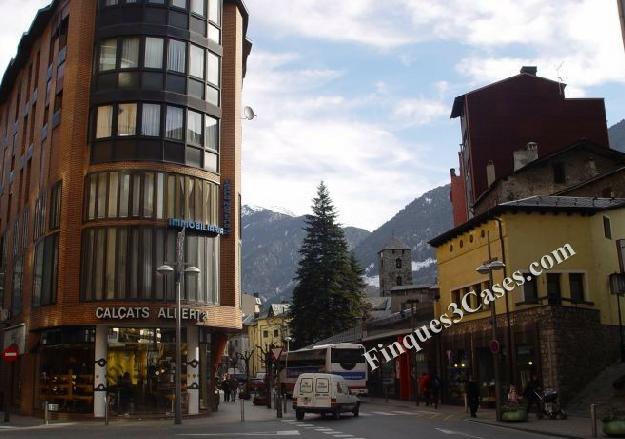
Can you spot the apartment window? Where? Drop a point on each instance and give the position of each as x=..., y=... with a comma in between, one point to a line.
x=398, y=263
x=196, y=61
x=213, y=69
x=198, y=7
x=110, y=2
x=179, y=3
x=607, y=227
x=276, y=333
x=399, y=281
x=214, y=11
x=154, y=53
x=176, y=56
x=105, y=122
x=212, y=133
x=174, y=124
x=130, y=53
x=576, y=282
x=559, y=173
x=108, y=55
x=55, y=206
x=265, y=334
x=194, y=128
x=151, y=120
x=18, y=277
x=46, y=271
x=127, y=120
x=554, y=295
x=530, y=289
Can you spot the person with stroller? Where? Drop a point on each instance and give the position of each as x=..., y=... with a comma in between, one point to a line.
x=531, y=396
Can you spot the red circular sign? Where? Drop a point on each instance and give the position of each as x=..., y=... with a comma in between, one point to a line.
x=494, y=346
x=11, y=353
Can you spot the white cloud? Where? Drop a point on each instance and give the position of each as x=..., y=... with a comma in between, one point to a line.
x=302, y=137
x=419, y=111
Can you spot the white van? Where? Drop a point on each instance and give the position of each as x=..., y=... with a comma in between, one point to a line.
x=323, y=393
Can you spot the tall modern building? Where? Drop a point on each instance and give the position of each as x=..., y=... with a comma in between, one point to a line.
x=120, y=123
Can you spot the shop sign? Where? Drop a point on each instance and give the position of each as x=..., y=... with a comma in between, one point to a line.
x=227, y=207
x=139, y=312
x=210, y=229
x=15, y=335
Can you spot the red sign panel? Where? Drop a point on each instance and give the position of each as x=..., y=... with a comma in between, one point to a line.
x=11, y=353
x=494, y=346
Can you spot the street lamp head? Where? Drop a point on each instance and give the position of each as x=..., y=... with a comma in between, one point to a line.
x=164, y=269
x=483, y=269
x=192, y=270
x=497, y=265
x=288, y=339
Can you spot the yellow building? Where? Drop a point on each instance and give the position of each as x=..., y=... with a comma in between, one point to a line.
x=269, y=328
x=561, y=325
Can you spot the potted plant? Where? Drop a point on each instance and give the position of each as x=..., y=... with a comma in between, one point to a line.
x=513, y=412
x=614, y=423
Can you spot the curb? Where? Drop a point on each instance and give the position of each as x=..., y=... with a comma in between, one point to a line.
x=527, y=430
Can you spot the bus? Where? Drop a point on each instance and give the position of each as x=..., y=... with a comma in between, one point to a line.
x=344, y=359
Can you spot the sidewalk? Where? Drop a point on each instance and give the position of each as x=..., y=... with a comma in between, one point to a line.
x=574, y=427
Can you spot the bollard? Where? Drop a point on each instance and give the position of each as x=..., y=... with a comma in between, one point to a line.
x=46, y=414
x=593, y=419
x=242, y=409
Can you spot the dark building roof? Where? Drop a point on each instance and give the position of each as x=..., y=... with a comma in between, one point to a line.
x=552, y=203
x=395, y=244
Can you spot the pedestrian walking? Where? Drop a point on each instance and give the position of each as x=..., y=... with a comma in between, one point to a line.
x=225, y=386
x=234, y=387
x=531, y=396
x=435, y=389
x=473, y=396
x=424, y=387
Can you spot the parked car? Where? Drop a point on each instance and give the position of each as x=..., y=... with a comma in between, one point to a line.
x=323, y=393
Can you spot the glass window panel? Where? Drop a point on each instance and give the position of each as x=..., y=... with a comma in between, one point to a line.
x=206, y=208
x=111, y=249
x=148, y=195
x=190, y=198
x=212, y=133
x=128, y=80
x=87, y=258
x=176, y=56
x=159, y=285
x=113, y=191
x=108, y=55
x=201, y=278
x=154, y=53
x=213, y=69
x=196, y=61
x=105, y=122
x=198, y=200
x=179, y=3
x=124, y=195
x=134, y=263
x=122, y=255
x=160, y=190
x=151, y=120
x=214, y=11
x=171, y=188
x=136, y=194
x=180, y=198
x=157, y=2
x=99, y=263
x=130, y=53
x=194, y=128
x=110, y=2
x=93, y=185
x=214, y=34
x=191, y=279
x=210, y=162
x=212, y=95
x=196, y=88
x=148, y=270
x=127, y=120
x=174, y=124
x=101, y=194
x=38, y=274
x=198, y=7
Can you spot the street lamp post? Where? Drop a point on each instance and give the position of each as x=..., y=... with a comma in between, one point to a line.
x=487, y=268
x=286, y=369
x=179, y=271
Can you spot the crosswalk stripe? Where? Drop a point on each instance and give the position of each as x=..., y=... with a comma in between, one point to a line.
x=402, y=412
x=384, y=413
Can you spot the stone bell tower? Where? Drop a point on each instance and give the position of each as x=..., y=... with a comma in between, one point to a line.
x=394, y=266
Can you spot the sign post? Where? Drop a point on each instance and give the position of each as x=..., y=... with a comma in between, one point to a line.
x=10, y=355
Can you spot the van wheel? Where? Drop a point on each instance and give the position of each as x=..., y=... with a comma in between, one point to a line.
x=337, y=413
x=299, y=415
x=356, y=410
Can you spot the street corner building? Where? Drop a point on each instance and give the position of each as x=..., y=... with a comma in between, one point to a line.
x=120, y=123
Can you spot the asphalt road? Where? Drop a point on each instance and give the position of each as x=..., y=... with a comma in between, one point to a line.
x=375, y=422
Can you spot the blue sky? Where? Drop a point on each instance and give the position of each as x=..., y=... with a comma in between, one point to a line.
x=358, y=92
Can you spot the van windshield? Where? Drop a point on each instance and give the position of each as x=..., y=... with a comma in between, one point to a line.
x=322, y=385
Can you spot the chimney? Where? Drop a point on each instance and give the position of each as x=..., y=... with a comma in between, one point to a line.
x=524, y=156
x=529, y=70
x=452, y=172
x=256, y=295
x=490, y=173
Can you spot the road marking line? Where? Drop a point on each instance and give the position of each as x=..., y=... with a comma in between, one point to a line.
x=427, y=413
x=403, y=412
x=268, y=433
x=448, y=417
x=343, y=435
x=365, y=414
x=458, y=433
x=323, y=429
x=384, y=413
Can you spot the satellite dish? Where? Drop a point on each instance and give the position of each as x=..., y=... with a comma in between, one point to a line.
x=249, y=113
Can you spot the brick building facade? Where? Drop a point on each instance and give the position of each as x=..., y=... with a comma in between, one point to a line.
x=116, y=117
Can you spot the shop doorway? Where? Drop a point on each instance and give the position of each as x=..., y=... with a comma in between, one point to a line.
x=141, y=367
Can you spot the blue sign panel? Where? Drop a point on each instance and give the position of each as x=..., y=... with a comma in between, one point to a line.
x=351, y=375
x=210, y=229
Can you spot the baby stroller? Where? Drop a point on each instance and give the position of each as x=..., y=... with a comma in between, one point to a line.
x=550, y=404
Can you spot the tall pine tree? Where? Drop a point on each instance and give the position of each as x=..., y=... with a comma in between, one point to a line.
x=328, y=297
